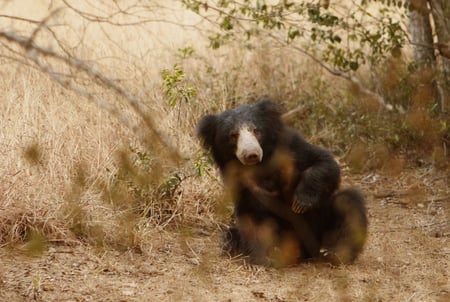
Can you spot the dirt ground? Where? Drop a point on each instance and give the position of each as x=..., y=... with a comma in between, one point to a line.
x=407, y=258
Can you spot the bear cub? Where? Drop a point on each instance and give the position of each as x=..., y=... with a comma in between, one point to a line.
x=287, y=203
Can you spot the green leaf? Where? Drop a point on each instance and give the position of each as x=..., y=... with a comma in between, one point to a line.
x=353, y=65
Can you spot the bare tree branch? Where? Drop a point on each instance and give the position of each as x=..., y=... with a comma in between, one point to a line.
x=345, y=75
x=109, y=19
x=34, y=53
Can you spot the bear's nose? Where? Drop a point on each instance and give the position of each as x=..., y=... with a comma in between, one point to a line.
x=251, y=158
x=248, y=149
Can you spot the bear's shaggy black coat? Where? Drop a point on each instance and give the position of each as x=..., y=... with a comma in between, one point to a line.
x=287, y=206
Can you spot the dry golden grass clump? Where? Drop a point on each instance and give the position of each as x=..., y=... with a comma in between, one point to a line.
x=90, y=153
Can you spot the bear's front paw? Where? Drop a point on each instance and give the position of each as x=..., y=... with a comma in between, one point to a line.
x=302, y=203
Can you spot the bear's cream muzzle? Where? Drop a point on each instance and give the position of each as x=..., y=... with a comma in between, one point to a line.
x=248, y=149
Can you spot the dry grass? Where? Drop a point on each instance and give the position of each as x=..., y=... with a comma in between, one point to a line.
x=111, y=216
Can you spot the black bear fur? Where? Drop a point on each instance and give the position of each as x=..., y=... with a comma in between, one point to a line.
x=287, y=207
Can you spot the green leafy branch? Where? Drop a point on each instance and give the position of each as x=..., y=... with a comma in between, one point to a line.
x=175, y=87
x=351, y=38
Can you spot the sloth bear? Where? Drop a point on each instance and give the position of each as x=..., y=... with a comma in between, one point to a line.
x=287, y=202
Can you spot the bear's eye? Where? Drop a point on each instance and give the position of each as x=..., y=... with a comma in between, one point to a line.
x=257, y=133
x=234, y=137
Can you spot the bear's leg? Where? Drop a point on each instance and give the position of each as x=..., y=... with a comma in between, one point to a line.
x=231, y=242
x=258, y=238
x=346, y=233
x=265, y=245
x=296, y=235
x=255, y=240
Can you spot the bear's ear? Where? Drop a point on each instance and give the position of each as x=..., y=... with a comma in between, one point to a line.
x=206, y=130
x=269, y=108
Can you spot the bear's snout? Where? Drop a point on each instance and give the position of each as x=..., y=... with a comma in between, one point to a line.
x=251, y=158
x=248, y=149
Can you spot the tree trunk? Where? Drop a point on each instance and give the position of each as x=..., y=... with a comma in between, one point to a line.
x=421, y=34
x=440, y=10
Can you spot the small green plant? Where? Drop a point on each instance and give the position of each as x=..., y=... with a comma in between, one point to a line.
x=186, y=52
x=142, y=187
x=202, y=163
x=175, y=86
